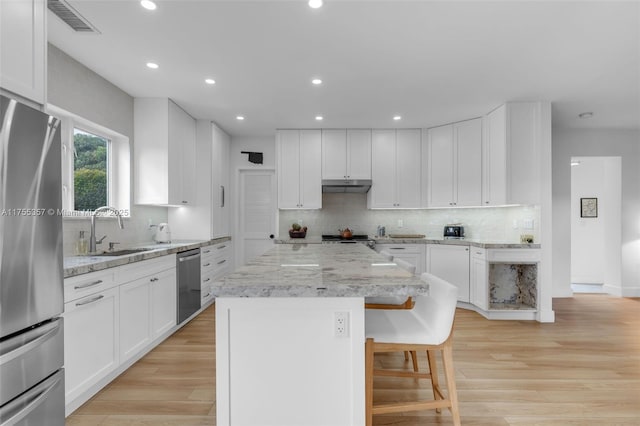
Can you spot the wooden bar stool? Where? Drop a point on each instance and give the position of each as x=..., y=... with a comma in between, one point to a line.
x=427, y=327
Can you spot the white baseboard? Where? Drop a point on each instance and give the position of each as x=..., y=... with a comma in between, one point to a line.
x=507, y=314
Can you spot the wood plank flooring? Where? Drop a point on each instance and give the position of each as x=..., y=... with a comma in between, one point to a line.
x=582, y=370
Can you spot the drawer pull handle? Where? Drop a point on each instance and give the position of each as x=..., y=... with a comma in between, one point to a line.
x=221, y=247
x=207, y=280
x=207, y=264
x=222, y=261
x=206, y=251
x=206, y=295
x=86, y=285
x=398, y=248
x=153, y=280
x=93, y=299
x=478, y=252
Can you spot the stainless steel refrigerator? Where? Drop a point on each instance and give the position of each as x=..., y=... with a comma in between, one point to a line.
x=31, y=272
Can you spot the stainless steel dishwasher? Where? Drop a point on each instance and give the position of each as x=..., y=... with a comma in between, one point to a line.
x=188, y=283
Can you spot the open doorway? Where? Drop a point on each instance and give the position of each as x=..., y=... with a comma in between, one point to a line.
x=596, y=206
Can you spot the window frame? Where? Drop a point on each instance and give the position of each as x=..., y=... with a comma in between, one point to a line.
x=118, y=163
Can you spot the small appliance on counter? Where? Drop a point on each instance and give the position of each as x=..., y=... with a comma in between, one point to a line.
x=454, y=231
x=163, y=233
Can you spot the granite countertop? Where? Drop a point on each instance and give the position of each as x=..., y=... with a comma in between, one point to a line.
x=320, y=270
x=464, y=242
x=78, y=265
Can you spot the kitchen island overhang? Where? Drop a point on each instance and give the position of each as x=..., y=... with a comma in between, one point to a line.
x=290, y=334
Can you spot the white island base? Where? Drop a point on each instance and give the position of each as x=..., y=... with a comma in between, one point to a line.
x=280, y=361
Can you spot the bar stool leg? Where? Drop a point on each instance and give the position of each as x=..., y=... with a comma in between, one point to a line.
x=368, y=365
x=433, y=371
x=447, y=360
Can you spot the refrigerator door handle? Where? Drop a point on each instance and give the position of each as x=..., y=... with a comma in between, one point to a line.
x=20, y=346
x=17, y=409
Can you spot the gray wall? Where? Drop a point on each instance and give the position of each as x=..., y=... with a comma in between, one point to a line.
x=77, y=89
x=569, y=143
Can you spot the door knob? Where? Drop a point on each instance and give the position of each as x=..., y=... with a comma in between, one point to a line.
x=271, y=236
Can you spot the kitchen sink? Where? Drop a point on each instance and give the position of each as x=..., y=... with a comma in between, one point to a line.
x=123, y=252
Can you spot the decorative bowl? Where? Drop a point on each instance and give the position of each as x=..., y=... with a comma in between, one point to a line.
x=297, y=234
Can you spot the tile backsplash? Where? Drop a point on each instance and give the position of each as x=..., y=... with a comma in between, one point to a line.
x=490, y=224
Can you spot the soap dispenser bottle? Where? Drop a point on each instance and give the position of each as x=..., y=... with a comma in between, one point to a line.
x=82, y=245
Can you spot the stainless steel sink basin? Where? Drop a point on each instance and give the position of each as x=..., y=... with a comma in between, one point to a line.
x=123, y=252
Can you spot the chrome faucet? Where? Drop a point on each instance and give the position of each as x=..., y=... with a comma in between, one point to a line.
x=92, y=238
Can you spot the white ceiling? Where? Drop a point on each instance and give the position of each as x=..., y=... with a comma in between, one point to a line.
x=430, y=62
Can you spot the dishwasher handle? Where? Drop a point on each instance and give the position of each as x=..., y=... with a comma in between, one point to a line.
x=193, y=256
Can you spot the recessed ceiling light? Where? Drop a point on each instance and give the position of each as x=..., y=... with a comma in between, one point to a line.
x=397, y=117
x=240, y=117
x=314, y=4
x=152, y=65
x=585, y=115
x=575, y=163
x=210, y=81
x=148, y=4
x=319, y=117
x=316, y=81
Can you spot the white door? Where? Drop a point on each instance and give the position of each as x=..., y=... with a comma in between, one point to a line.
x=359, y=154
x=382, y=194
x=334, y=154
x=441, y=167
x=451, y=263
x=408, y=168
x=469, y=165
x=257, y=224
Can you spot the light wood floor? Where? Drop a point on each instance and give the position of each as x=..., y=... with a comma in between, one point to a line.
x=582, y=370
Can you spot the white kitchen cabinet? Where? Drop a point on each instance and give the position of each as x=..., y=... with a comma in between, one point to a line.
x=91, y=340
x=299, y=169
x=454, y=164
x=478, y=284
x=395, y=169
x=511, y=153
x=164, y=154
x=451, y=263
x=220, y=183
x=23, y=48
x=147, y=306
x=412, y=253
x=346, y=154
x=215, y=263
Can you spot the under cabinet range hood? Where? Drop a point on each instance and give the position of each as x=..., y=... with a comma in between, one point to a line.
x=359, y=186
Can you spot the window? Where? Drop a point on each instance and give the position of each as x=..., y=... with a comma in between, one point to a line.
x=90, y=170
x=95, y=166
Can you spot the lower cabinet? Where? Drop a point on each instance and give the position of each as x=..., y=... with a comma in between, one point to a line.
x=215, y=263
x=479, y=290
x=412, y=253
x=147, y=309
x=450, y=263
x=91, y=340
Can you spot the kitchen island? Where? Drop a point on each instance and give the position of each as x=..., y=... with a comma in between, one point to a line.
x=290, y=334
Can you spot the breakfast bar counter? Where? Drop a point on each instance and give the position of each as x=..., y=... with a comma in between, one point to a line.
x=290, y=334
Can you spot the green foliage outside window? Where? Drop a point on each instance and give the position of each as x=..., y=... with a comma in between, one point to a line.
x=90, y=171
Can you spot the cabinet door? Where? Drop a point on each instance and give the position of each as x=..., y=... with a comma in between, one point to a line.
x=220, y=184
x=450, y=263
x=479, y=292
x=163, y=302
x=494, y=168
x=288, y=157
x=334, y=154
x=469, y=165
x=23, y=48
x=135, y=317
x=441, y=166
x=382, y=194
x=310, y=169
x=91, y=340
x=408, y=168
x=359, y=154
x=182, y=156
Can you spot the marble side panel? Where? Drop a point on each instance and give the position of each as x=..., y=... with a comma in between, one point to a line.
x=320, y=270
x=78, y=265
x=513, y=284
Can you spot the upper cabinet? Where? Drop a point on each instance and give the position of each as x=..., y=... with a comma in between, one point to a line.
x=164, y=153
x=395, y=169
x=511, y=153
x=298, y=154
x=220, y=226
x=346, y=154
x=454, y=164
x=23, y=48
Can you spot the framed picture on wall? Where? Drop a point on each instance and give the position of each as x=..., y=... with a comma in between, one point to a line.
x=588, y=207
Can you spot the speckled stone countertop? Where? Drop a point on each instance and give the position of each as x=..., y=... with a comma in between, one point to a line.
x=464, y=242
x=320, y=270
x=78, y=265
x=305, y=240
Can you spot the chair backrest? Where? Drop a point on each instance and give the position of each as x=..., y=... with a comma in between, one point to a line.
x=406, y=266
x=387, y=254
x=438, y=309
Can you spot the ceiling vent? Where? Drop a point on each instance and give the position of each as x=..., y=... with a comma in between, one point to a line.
x=71, y=17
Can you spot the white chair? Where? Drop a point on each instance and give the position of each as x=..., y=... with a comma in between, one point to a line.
x=392, y=302
x=427, y=327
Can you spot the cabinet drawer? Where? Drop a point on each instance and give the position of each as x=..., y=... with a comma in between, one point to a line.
x=87, y=284
x=136, y=270
x=513, y=255
x=402, y=248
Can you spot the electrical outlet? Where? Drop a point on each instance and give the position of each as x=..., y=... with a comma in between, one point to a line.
x=515, y=224
x=341, y=324
x=400, y=223
x=527, y=224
